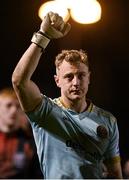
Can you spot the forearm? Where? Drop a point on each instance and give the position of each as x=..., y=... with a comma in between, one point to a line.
x=27, y=91
x=27, y=65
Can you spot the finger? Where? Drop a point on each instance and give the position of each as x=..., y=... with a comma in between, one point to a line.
x=53, y=17
x=46, y=18
x=58, y=23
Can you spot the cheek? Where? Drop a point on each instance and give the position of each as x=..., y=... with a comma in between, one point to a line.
x=63, y=83
x=86, y=84
x=4, y=114
x=65, y=86
x=3, y=110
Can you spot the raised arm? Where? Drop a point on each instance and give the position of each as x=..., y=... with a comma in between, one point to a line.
x=52, y=27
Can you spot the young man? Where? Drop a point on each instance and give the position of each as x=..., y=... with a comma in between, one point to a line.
x=73, y=136
x=16, y=146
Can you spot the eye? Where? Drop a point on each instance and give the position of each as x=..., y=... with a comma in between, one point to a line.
x=69, y=77
x=9, y=105
x=81, y=76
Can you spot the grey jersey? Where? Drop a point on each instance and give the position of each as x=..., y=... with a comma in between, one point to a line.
x=72, y=145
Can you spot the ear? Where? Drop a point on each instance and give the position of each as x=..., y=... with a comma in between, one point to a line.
x=57, y=80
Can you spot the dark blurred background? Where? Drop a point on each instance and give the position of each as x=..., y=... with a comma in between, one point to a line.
x=107, y=43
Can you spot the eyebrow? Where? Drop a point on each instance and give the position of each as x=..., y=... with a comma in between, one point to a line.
x=81, y=72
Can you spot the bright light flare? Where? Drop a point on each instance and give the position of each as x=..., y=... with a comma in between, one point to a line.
x=56, y=7
x=86, y=11
x=67, y=3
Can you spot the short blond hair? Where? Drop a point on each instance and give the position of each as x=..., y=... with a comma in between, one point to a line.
x=72, y=56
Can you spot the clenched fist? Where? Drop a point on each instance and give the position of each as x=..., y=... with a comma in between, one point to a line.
x=54, y=26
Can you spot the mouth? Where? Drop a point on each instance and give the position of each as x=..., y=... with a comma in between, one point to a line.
x=77, y=92
x=13, y=117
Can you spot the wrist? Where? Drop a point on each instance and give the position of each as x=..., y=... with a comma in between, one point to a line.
x=43, y=34
x=40, y=39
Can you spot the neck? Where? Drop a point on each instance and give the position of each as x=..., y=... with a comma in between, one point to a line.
x=77, y=105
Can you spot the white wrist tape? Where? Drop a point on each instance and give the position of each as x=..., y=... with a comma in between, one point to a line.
x=40, y=40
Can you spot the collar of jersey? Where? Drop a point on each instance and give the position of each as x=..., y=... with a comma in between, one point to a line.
x=59, y=103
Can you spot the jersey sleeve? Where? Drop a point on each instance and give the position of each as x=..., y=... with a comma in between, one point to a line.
x=112, y=153
x=41, y=112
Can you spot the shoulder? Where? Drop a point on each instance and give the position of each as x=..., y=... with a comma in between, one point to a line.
x=104, y=114
x=46, y=106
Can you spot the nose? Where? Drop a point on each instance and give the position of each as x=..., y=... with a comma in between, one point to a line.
x=76, y=81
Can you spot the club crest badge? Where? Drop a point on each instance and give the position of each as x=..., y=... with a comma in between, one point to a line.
x=102, y=131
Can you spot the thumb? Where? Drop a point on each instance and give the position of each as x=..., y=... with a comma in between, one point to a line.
x=45, y=23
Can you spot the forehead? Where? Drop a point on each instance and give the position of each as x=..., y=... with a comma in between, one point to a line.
x=66, y=67
x=8, y=100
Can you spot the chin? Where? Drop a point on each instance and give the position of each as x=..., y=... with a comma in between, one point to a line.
x=76, y=98
x=11, y=122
